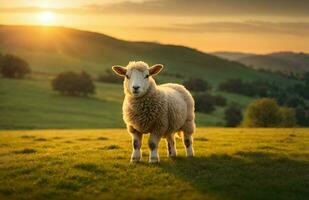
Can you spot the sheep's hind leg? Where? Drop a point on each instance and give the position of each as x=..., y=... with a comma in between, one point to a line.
x=171, y=146
x=153, y=144
x=137, y=144
x=188, y=130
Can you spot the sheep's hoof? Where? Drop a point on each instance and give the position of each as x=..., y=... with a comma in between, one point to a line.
x=135, y=160
x=172, y=156
x=153, y=160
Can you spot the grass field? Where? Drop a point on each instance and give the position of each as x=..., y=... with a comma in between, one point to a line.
x=92, y=164
x=24, y=104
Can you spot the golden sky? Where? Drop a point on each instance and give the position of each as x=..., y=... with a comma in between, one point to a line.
x=258, y=26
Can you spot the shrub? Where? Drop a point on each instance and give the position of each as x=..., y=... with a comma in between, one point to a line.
x=14, y=67
x=71, y=83
x=204, y=103
x=233, y=115
x=302, y=115
x=254, y=88
x=306, y=78
x=196, y=84
x=219, y=100
x=263, y=112
x=288, y=118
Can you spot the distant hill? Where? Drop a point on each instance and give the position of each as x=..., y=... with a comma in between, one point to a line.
x=285, y=62
x=56, y=49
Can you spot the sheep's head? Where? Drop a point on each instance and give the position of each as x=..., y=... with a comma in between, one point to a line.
x=138, y=77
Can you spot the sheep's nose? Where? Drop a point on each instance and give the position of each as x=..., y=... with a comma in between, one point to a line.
x=136, y=87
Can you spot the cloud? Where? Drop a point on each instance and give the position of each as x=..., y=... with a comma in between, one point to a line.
x=211, y=7
x=248, y=27
x=297, y=8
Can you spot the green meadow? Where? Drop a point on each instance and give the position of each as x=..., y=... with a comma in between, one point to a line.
x=32, y=104
x=94, y=164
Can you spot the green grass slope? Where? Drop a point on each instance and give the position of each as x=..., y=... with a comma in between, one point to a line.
x=32, y=104
x=232, y=164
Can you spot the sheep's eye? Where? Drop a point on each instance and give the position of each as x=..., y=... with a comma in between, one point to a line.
x=147, y=76
x=127, y=77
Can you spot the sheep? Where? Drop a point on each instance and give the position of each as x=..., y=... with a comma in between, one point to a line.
x=161, y=110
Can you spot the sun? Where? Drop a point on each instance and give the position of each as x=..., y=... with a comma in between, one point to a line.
x=46, y=17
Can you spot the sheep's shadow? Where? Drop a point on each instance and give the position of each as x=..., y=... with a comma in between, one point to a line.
x=244, y=175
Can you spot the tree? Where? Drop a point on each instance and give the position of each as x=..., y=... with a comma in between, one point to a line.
x=14, y=67
x=219, y=100
x=204, y=103
x=302, y=116
x=233, y=115
x=306, y=78
x=196, y=84
x=72, y=83
x=288, y=118
x=263, y=112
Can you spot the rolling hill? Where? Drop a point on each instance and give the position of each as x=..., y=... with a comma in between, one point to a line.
x=286, y=62
x=56, y=49
x=32, y=104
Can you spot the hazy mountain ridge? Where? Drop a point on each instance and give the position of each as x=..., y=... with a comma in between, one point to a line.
x=286, y=61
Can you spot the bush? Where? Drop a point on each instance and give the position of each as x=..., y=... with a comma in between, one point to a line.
x=14, y=67
x=71, y=83
x=254, y=88
x=233, y=115
x=109, y=77
x=196, y=84
x=302, y=116
x=263, y=112
x=204, y=103
x=219, y=100
x=288, y=118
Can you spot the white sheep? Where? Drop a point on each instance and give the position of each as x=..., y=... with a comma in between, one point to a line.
x=161, y=110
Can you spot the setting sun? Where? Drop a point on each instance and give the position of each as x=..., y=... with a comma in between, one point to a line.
x=46, y=18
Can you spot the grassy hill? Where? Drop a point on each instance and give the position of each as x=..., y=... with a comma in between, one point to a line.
x=56, y=49
x=278, y=61
x=94, y=164
x=31, y=103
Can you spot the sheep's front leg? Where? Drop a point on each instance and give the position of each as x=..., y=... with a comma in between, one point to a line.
x=153, y=144
x=188, y=141
x=171, y=146
x=137, y=144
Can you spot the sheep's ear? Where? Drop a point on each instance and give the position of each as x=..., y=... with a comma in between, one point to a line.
x=119, y=70
x=155, y=69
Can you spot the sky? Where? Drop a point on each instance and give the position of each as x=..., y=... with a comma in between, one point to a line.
x=257, y=26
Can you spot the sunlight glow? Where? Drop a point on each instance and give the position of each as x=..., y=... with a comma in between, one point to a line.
x=46, y=17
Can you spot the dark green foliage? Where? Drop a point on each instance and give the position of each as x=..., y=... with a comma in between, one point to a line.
x=109, y=77
x=300, y=90
x=72, y=83
x=219, y=100
x=306, y=78
x=233, y=115
x=302, y=115
x=196, y=84
x=265, y=112
x=13, y=67
x=252, y=89
x=288, y=118
x=204, y=102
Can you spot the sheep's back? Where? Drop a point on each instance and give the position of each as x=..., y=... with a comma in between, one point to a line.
x=180, y=104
